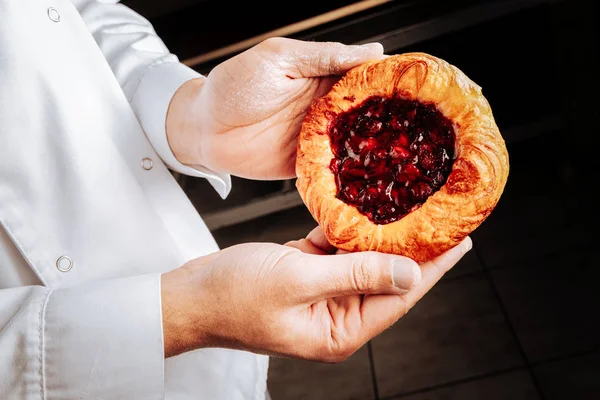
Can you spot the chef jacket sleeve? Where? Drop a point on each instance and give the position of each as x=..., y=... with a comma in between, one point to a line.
x=100, y=340
x=148, y=73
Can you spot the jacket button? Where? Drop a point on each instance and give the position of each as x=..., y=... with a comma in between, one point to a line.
x=147, y=164
x=53, y=14
x=64, y=263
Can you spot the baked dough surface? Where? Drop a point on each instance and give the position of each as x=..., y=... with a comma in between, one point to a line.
x=472, y=190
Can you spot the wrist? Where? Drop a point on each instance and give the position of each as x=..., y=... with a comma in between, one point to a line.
x=183, y=124
x=184, y=326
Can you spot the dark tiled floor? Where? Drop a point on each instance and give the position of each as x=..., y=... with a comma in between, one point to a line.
x=280, y=227
x=456, y=331
x=516, y=385
x=280, y=230
x=579, y=175
x=576, y=378
x=206, y=199
x=294, y=379
x=553, y=303
x=531, y=218
x=468, y=264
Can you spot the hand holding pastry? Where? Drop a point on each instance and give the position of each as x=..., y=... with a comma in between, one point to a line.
x=297, y=300
x=244, y=118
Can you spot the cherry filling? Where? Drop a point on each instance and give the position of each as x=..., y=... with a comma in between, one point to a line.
x=390, y=155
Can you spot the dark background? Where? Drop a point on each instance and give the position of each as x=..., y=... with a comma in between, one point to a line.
x=519, y=317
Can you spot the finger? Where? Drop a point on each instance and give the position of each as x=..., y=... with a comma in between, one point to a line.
x=357, y=273
x=379, y=312
x=432, y=271
x=318, y=238
x=326, y=84
x=313, y=59
x=306, y=246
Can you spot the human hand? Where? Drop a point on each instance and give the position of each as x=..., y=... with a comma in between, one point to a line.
x=294, y=300
x=245, y=117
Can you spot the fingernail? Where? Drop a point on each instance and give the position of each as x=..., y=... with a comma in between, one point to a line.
x=372, y=46
x=468, y=243
x=406, y=273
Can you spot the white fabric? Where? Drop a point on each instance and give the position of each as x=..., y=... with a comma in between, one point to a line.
x=83, y=102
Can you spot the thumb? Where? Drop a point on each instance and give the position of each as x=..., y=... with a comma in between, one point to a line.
x=359, y=273
x=314, y=59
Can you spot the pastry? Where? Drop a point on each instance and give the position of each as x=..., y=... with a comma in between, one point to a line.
x=402, y=156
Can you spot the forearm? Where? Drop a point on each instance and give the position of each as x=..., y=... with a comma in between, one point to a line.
x=181, y=331
x=182, y=124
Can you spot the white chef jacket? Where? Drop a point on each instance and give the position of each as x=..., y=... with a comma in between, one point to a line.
x=90, y=215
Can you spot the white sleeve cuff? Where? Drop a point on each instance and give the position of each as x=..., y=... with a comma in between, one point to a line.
x=108, y=334
x=150, y=102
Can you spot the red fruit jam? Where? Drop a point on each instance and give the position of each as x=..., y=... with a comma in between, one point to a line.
x=390, y=155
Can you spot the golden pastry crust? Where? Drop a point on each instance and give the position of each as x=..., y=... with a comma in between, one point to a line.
x=471, y=192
